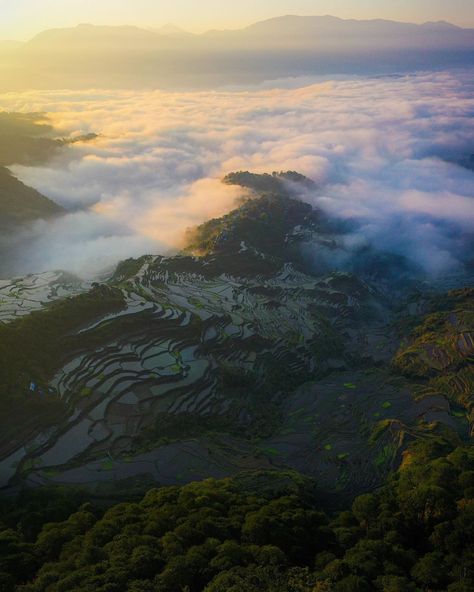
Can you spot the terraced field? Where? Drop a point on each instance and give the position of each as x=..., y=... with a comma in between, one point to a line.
x=21, y=296
x=350, y=429
x=180, y=330
x=237, y=359
x=440, y=354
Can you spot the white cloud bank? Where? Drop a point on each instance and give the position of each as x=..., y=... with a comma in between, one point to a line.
x=376, y=147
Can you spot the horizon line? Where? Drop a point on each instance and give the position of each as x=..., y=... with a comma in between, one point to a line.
x=156, y=28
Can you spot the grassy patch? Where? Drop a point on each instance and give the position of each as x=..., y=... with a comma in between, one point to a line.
x=107, y=465
x=385, y=455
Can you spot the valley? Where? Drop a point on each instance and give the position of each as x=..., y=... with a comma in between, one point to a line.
x=237, y=325
x=239, y=358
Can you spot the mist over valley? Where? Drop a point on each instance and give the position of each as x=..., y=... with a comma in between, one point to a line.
x=237, y=304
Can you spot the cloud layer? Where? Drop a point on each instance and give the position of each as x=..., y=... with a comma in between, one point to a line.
x=377, y=148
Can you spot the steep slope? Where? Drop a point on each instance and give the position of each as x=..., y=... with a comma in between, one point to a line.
x=26, y=139
x=260, y=228
x=175, y=372
x=193, y=366
x=440, y=353
x=20, y=204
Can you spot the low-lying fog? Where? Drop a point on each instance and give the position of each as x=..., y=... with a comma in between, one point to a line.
x=383, y=151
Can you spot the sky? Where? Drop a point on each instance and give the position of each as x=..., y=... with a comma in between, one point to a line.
x=22, y=19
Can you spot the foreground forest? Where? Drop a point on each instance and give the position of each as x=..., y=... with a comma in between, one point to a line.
x=254, y=532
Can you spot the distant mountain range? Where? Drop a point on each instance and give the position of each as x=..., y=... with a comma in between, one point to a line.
x=127, y=56
x=328, y=32
x=316, y=31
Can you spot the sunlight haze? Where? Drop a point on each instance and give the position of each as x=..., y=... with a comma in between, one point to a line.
x=22, y=19
x=236, y=296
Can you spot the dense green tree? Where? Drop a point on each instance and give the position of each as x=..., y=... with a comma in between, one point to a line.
x=413, y=535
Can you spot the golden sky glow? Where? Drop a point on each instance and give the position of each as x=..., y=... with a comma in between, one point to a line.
x=21, y=19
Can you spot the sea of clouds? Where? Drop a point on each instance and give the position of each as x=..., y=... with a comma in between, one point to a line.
x=383, y=152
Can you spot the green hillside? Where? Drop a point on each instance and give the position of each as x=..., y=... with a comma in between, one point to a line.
x=235, y=418
x=439, y=353
x=27, y=139
x=20, y=204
